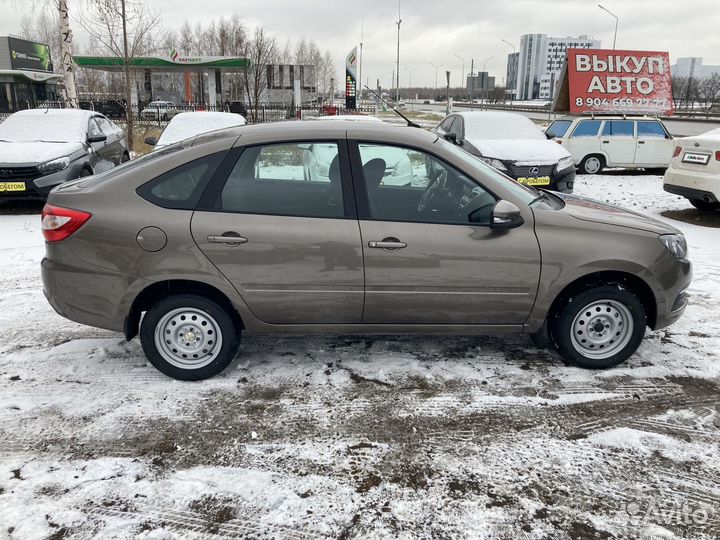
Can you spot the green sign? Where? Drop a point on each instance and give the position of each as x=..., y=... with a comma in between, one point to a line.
x=29, y=56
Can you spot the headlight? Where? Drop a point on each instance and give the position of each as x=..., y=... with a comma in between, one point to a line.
x=54, y=166
x=565, y=163
x=676, y=244
x=494, y=163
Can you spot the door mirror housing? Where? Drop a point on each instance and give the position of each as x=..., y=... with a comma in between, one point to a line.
x=549, y=135
x=452, y=137
x=505, y=215
x=97, y=138
x=151, y=141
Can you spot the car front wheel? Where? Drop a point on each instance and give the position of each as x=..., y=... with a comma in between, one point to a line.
x=189, y=337
x=599, y=327
x=592, y=164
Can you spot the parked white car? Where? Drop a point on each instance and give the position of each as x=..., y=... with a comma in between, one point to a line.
x=614, y=141
x=159, y=110
x=694, y=172
x=189, y=124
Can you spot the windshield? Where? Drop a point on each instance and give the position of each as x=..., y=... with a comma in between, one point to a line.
x=559, y=127
x=525, y=193
x=495, y=125
x=52, y=127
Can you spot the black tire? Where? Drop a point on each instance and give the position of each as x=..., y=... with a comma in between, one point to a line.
x=220, y=328
x=587, y=165
x=660, y=171
x=705, y=205
x=589, y=310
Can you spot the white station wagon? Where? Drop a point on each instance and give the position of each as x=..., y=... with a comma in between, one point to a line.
x=614, y=141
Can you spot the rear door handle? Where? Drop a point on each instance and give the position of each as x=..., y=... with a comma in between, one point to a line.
x=228, y=239
x=606, y=142
x=387, y=244
x=641, y=142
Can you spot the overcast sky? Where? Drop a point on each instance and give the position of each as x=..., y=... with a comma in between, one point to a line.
x=437, y=30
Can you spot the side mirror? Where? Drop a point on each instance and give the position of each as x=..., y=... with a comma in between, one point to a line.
x=97, y=138
x=549, y=135
x=505, y=215
x=452, y=137
x=151, y=141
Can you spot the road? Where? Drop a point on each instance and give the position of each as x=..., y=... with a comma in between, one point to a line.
x=679, y=128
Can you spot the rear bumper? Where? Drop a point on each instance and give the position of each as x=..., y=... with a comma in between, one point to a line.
x=86, y=294
x=692, y=185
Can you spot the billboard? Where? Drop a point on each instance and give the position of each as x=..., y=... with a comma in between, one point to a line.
x=610, y=81
x=351, y=80
x=29, y=55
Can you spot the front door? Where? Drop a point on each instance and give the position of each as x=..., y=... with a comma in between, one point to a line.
x=430, y=256
x=618, y=142
x=283, y=240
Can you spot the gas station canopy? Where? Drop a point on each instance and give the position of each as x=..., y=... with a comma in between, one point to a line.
x=169, y=63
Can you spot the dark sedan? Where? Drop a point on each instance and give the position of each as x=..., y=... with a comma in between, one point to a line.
x=41, y=148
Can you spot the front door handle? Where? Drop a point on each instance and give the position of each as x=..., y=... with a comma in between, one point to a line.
x=641, y=142
x=606, y=142
x=228, y=238
x=387, y=243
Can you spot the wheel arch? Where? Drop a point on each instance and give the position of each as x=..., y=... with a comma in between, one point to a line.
x=597, y=153
x=163, y=289
x=630, y=281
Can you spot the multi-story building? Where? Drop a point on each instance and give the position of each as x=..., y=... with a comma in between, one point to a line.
x=511, y=75
x=693, y=67
x=479, y=85
x=539, y=63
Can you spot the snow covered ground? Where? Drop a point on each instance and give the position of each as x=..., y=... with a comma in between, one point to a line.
x=397, y=437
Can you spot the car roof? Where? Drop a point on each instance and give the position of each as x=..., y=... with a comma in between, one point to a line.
x=297, y=130
x=58, y=113
x=610, y=117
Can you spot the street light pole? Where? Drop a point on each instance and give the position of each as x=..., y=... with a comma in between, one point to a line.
x=487, y=79
x=462, y=77
x=616, y=23
x=397, y=70
x=436, y=66
x=516, y=67
x=411, y=71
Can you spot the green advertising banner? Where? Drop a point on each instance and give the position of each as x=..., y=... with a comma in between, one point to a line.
x=28, y=55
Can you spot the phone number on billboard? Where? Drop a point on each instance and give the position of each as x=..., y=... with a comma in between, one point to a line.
x=621, y=102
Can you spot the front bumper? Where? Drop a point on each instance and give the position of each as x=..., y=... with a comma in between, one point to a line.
x=675, y=278
x=39, y=187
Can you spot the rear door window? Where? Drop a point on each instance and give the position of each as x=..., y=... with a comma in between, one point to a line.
x=587, y=128
x=651, y=129
x=290, y=179
x=619, y=128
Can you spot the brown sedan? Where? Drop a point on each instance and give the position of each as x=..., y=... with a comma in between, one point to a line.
x=233, y=232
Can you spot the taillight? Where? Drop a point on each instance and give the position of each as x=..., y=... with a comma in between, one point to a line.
x=717, y=155
x=59, y=223
x=677, y=151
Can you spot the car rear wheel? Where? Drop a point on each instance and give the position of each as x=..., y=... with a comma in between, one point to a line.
x=189, y=337
x=705, y=205
x=592, y=164
x=599, y=327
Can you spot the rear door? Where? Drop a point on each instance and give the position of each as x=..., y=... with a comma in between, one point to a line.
x=618, y=142
x=426, y=262
x=101, y=157
x=654, y=144
x=290, y=245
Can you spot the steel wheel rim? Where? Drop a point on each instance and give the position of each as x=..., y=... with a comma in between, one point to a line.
x=592, y=165
x=188, y=338
x=602, y=329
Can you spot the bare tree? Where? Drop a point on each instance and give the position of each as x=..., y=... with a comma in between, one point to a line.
x=125, y=29
x=709, y=91
x=262, y=52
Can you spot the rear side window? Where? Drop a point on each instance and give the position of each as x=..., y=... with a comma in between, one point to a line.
x=292, y=179
x=559, y=127
x=181, y=188
x=651, y=129
x=618, y=128
x=587, y=128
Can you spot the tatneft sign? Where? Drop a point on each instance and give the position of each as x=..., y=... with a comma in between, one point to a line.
x=608, y=81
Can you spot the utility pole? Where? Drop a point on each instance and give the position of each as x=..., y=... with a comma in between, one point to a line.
x=462, y=77
x=616, y=23
x=397, y=67
x=486, y=79
x=516, y=67
x=128, y=90
x=362, y=31
x=472, y=81
x=410, y=71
